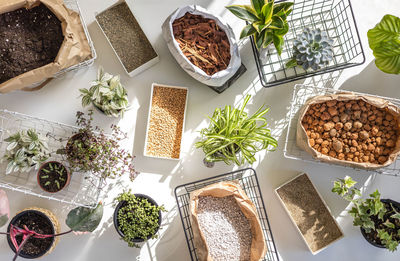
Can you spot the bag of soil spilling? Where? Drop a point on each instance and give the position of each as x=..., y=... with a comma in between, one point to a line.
x=203, y=45
x=353, y=130
x=38, y=38
x=225, y=224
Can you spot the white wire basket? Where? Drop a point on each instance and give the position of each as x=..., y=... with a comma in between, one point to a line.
x=301, y=94
x=73, y=5
x=83, y=189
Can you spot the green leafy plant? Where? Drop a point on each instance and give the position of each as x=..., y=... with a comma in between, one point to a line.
x=379, y=220
x=107, y=94
x=26, y=150
x=234, y=136
x=79, y=220
x=53, y=176
x=91, y=149
x=137, y=218
x=384, y=40
x=267, y=21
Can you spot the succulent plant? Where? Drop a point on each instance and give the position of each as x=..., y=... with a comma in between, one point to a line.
x=266, y=21
x=312, y=49
x=107, y=94
x=26, y=150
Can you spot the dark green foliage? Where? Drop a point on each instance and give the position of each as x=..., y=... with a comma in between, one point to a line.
x=83, y=219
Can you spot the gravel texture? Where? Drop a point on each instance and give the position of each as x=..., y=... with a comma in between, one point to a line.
x=226, y=230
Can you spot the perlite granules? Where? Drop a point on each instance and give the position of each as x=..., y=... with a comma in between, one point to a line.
x=226, y=230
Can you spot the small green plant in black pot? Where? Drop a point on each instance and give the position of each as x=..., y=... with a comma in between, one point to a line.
x=53, y=176
x=378, y=219
x=234, y=136
x=137, y=218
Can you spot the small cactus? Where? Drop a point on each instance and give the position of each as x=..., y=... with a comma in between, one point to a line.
x=312, y=49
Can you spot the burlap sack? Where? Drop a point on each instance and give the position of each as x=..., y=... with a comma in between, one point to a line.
x=302, y=139
x=224, y=189
x=74, y=49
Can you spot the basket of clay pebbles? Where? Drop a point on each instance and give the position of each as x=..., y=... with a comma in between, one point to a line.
x=242, y=217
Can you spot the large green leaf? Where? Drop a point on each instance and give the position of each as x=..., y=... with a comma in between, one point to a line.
x=257, y=5
x=386, y=30
x=267, y=11
x=243, y=12
x=387, y=57
x=278, y=42
x=285, y=6
x=85, y=219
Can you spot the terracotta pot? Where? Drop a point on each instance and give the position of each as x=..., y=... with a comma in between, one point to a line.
x=68, y=176
x=122, y=203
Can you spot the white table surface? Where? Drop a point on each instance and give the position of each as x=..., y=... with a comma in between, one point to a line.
x=59, y=101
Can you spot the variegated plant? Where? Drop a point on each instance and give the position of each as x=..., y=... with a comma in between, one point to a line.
x=107, y=94
x=26, y=150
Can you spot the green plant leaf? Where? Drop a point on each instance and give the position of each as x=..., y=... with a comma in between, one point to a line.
x=243, y=12
x=286, y=6
x=85, y=219
x=247, y=31
x=386, y=30
x=277, y=23
x=389, y=224
x=267, y=39
x=257, y=5
x=259, y=39
x=278, y=42
x=267, y=11
x=388, y=57
x=293, y=63
x=349, y=182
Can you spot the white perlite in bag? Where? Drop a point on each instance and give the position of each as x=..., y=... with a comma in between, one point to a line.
x=218, y=79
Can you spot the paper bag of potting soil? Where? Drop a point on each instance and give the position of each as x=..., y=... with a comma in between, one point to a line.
x=303, y=140
x=217, y=79
x=222, y=189
x=74, y=49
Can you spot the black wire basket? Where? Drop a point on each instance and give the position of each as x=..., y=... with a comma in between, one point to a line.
x=249, y=182
x=336, y=17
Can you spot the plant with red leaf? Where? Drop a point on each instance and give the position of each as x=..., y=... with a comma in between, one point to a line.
x=79, y=220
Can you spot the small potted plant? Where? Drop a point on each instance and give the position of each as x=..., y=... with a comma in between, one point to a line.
x=26, y=150
x=90, y=149
x=34, y=232
x=378, y=219
x=53, y=176
x=137, y=218
x=266, y=21
x=106, y=94
x=234, y=136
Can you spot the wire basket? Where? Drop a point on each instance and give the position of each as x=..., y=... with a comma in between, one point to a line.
x=333, y=16
x=249, y=182
x=301, y=94
x=83, y=189
x=73, y=5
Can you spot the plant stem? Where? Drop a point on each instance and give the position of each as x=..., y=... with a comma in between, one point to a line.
x=63, y=233
x=21, y=246
x=4, y=233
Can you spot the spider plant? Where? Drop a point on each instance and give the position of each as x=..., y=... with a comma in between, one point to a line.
x=235, y=137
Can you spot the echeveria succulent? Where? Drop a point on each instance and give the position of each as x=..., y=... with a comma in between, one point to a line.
x=312, y=49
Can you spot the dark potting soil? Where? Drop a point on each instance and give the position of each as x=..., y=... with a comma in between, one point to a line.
x=373, y=236
x=126, y=36
x=39, y=224
x=29, y=39
x=53, y=177
x=202, y=42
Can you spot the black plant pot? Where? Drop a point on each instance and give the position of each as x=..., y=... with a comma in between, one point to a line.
x=122, y=203
x=22, y=253
x=365, y=235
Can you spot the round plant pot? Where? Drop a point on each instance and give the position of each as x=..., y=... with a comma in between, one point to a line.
x=365, y=234
x=102, y=112
x=121, y=204
x=46, y=217
x=55, y=162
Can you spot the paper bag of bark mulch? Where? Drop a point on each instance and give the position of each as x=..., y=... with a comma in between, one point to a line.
x=74, y=45
x=225, y=224
x=352, y=130
x=206, y=50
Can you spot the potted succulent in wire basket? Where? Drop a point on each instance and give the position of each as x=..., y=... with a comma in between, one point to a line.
x=137, y=218
x=266, y=22
x=34, y=232
x=106, y=94
x=91, y=149
x=378, y=219
x=53, y=176
x=233, y=136
x=26, y=150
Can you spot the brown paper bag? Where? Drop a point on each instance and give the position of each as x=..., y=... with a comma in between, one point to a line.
x=302, y=139
x=74, y=50
x=224, y=189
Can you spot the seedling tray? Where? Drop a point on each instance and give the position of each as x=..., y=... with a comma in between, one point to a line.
x=248, y=180
x=83, y=189
x=336, y=17
x=301, y=94
x=309, y=213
